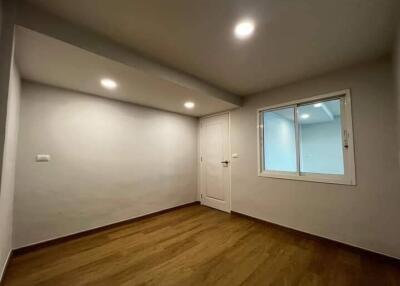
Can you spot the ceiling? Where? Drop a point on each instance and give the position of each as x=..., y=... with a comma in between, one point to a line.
x=293, y=40
x=44, y=59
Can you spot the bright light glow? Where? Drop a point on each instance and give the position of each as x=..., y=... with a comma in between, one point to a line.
x=108, y=83
x=318, y=104
x=189, y=104
x=305, y=116
x=244, y=29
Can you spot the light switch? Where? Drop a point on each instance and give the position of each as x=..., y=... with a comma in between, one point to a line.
x=42, y=157
x=235, y=155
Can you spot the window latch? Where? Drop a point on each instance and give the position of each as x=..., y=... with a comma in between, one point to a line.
x=345, y=139
x=226, y=162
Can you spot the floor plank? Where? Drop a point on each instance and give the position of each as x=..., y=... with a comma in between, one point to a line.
x=197, y=245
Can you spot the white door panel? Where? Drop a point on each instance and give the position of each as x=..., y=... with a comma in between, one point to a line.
x=215, y=174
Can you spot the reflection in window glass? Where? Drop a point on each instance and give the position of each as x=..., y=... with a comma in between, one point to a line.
x=279, y=140
x=321, y=137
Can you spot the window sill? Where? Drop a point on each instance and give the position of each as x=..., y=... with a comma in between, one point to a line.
x=339, y=180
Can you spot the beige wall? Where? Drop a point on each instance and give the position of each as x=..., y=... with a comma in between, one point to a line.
x=110, y=161
x=397, y=77
x=366, y=215
x=7, y=13
x=7, y=17
x=1, y=15
x=8, y=171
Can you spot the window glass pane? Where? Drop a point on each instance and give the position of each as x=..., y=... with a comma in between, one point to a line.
x=279, y=140
x=321, y=137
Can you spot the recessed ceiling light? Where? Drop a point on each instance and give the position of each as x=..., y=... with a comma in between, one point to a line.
x=318, y=104
x=108, y=83
x=305, y=116
x=189, y=104
x=244, y=29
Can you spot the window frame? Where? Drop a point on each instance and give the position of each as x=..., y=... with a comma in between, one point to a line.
x=349, y=177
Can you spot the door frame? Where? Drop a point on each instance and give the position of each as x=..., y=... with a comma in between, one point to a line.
x=200, y=169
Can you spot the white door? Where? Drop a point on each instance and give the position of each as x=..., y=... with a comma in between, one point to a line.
x=215, y=163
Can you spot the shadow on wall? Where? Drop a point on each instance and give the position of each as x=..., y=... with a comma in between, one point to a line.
x=397, y=79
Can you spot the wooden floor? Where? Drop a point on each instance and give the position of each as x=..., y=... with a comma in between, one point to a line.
x=200, y=246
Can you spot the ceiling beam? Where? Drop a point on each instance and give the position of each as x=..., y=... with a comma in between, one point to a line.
x=43, y=22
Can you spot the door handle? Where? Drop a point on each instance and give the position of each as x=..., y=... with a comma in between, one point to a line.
x=226, y=162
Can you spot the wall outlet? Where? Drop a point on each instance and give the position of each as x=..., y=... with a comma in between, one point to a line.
x=42, y=157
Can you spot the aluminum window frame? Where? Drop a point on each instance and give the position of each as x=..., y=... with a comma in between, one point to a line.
x=349, y=177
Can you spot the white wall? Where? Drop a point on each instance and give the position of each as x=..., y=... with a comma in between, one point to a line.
x=110, y=161
x=8, y=171
x=366, y=215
